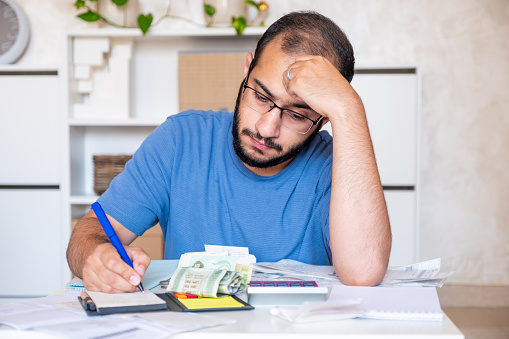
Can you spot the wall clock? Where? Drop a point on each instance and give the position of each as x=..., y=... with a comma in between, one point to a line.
x=14, y=32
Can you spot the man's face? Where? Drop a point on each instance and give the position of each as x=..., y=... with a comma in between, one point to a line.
x=261, y=141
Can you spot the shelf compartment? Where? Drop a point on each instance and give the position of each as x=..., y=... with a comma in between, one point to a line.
x=86, y=141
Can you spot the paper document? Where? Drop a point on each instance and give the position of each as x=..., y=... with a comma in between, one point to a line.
x=320, y=311
x=240, y=253
x=405, y=303
x=425, y=273
x=63, y=314
x=288, y=269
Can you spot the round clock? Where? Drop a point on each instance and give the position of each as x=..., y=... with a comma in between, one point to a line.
x=14, y=32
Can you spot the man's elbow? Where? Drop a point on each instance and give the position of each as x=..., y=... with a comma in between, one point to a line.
x=360, y=280
x=354, y=276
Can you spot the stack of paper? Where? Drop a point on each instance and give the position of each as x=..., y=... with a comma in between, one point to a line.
x=407, y=303
x=426, y=273
x=63, y=314
x=288, y=269
x=386, y=303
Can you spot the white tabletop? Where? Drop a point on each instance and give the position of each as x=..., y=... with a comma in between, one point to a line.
x=259, y=323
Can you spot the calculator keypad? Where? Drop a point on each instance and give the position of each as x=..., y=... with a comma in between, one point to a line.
x=283, y=284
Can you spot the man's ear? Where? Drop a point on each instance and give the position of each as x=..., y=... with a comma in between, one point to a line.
x=249, y=59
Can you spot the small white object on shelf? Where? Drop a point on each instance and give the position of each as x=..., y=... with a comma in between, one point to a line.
x=105, y=93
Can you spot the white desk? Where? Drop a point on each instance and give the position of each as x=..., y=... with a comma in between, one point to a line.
x=258, y=323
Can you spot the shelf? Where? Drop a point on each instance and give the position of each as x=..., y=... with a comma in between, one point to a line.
x=83, y=199
x=189, y=31
x=115, y=123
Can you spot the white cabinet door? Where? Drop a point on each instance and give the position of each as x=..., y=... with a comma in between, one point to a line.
x=402, y=214
x=30, y=242
x=390, y=101
x=29, y=130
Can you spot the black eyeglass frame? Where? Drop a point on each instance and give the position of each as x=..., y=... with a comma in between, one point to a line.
x=274, y=105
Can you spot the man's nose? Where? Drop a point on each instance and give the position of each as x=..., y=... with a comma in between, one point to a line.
x=269, y=124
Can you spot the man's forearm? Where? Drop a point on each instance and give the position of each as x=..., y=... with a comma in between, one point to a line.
x=87, y=235
x=360, y=236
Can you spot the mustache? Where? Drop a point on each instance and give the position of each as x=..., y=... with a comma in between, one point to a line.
x=266, y=141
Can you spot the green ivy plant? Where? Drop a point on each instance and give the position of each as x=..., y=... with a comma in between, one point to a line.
x=239, y=23
x=91, y=15
x=145, y=21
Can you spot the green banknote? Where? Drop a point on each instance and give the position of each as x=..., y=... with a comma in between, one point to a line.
x=231, y=283
x=203, y=282
x=206, y=282
x=218, y=262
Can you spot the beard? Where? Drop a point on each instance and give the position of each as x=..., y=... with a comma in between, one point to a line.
x=244, y=156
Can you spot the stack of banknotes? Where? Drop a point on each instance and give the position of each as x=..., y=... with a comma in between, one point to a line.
x=211, y=274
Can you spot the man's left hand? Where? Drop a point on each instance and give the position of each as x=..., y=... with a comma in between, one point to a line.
x=317, y=82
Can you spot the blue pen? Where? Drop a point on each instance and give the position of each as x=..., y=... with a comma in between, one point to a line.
x=110, y=232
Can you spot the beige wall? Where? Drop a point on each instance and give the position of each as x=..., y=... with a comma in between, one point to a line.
x=462, y=50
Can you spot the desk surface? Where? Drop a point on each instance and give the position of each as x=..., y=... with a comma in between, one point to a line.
x=259, y=323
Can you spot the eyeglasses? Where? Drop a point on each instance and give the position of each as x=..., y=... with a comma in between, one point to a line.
x=260, y=103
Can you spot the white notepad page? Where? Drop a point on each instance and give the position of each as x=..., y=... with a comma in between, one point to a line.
x=397, y=303
x=105, y=300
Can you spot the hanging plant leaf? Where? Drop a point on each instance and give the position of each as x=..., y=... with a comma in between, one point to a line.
x=252, y=3
x=90, y=16
x=79, y=3
x=144, y=22
x=119, y=2
x=209, y=9
x=239, y=24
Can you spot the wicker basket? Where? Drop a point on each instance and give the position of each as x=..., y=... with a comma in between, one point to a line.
x=107, y=167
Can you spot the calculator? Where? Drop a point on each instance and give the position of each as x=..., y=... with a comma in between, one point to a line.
x=285, y=292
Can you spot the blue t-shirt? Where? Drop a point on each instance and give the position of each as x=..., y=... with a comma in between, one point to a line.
x=187, y=176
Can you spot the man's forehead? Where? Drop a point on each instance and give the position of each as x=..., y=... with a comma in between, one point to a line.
x=273, y=54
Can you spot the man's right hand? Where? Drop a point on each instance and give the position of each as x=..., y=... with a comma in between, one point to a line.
x=105, y=271
x=92, y=257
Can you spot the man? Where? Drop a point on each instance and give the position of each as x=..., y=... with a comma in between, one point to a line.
x=263, y=177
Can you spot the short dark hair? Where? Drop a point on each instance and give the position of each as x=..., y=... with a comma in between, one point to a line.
x=311, y=33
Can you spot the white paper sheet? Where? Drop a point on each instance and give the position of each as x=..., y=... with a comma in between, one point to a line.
x=105, y=300
x=63, y=314
x=240, y=253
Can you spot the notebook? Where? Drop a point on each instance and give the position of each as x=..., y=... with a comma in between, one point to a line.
x=393, y=303
x=110, y=303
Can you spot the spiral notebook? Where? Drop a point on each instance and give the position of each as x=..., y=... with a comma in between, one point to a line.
x=393, y=303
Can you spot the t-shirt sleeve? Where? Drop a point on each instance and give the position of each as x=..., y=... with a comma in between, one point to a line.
x=138, y=197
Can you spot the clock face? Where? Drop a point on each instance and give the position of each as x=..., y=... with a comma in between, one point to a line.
x=9, y=27
x=13, y=32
